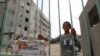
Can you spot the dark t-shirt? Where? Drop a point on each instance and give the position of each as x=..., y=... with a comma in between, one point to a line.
x=65, y=39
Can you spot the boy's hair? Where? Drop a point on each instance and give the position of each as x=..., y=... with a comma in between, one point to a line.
x=68, y=23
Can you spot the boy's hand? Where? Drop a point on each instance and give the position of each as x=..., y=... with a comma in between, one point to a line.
x=72, y=31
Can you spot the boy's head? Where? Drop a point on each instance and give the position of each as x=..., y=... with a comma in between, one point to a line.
x=66, y=26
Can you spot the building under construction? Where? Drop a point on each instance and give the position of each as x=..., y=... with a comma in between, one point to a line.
x=21, y=18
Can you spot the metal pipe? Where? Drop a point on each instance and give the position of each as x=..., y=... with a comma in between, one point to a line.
x=49, y=26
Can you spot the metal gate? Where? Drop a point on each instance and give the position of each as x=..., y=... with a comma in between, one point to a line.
x=12, y=24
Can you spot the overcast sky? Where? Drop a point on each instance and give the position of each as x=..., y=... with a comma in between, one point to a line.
x=64, y=13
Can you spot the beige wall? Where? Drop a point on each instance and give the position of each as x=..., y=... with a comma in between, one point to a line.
x=95, y=38
x=94, y=31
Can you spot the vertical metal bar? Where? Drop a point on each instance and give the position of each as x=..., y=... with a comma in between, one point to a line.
x=88, y=44
x=59, y=27
x=3, y=23
x=17, y=7
x=49, y=26
x=29, y=18
x=59, y=17
x=74, y=51
x=22, y=23
x=70, y=13
x=41, y=16
x=35, y=19
x=11, y=26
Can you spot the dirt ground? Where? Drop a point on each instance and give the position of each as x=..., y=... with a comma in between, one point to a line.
x=55, y=50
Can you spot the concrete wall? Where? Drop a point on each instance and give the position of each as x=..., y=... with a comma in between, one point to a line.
x=94, y=31
x=95, y=38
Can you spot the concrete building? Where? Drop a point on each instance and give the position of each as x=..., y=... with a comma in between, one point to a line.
x=17, y=16
x=42, y=25
x=92, y=17
x=20, y=18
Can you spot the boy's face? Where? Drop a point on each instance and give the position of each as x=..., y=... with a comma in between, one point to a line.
x=66, y=26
